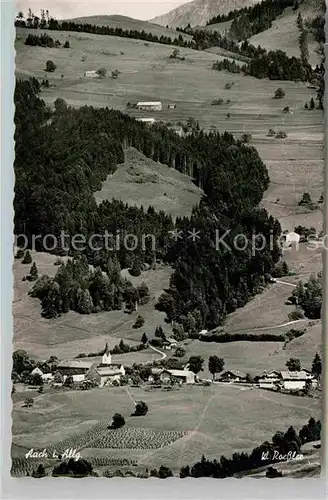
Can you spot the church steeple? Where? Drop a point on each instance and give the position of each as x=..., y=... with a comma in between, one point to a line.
x=107, y=358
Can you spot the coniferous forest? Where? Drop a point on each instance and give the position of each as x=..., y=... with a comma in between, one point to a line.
x=62, y=157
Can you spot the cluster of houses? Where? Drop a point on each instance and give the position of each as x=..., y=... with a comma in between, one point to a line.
x=275, y=380
x=105, y=372
x=81, y=370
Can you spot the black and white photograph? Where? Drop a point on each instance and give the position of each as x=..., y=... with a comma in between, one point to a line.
x=168, y=239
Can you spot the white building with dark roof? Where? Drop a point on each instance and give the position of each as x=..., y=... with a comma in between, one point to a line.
x=150, y=105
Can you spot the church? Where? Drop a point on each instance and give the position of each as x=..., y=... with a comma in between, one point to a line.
x=106, y=372
x=107, y=357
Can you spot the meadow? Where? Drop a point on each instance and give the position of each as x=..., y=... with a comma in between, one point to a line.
x=202, y=423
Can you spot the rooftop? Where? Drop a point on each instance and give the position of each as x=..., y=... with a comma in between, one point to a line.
x=301, y=375
x=76, y=363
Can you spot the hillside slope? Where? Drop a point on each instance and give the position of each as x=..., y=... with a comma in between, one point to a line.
x=199, y=12
x=127, y=23
x=284, y=33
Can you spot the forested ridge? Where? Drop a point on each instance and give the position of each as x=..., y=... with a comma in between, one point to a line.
x=62, y=157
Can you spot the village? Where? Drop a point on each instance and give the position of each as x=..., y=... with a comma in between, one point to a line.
x=89, y=373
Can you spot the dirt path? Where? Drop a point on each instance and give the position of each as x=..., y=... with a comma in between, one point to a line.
x=163, y=355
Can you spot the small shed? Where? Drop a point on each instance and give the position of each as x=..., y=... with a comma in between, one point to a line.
x=91, y=74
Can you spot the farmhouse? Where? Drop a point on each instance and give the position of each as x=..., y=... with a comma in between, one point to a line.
x=170, y=343
x=150, y=106
x=232, y=376
x=74, y=367
x=172, y=106
x=268, y=380
x=91, y=74
x=105, y=375
x=296, y=380
x=181, y=376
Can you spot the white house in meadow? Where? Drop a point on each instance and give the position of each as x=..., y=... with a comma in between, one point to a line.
x=292, y=239
x=150, y=105
x=296, y=380
x=91, y=74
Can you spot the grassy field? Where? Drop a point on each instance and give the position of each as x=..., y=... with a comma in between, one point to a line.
x=203, y=421
x=73, y=333
x=143, y=182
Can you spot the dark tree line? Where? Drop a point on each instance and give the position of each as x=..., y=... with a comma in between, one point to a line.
x=281, y=444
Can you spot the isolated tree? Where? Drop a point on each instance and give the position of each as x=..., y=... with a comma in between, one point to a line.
x=35, y=379
x=195, y=364
x=28, y=402
x=279, y=93
x=144, y=294
x=304, y=48
x=50, y=66
x=293, y=365
x=184, y=472
x=180, y=352
x=164, y=472
x=306, y=199
x=102, y=72
x=159, y=332
x=316, y=366
x=139, y=322
x=115, y=74
x=141, y=409
x=39, y=472
x=60, y=105
x=144, y=339
x=117, y=421
x=58, y=378
x=27, y=258
x=69, y=382
x=215, y=365
x=34, y=272
x=312, y=103
x=19, y=254
x=66, y=45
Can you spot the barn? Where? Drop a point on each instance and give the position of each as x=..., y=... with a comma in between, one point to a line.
x=150, y=105
x=105, y=375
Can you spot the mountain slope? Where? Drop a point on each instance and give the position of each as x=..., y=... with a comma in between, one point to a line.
x=199, y=12
x=127, y=23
